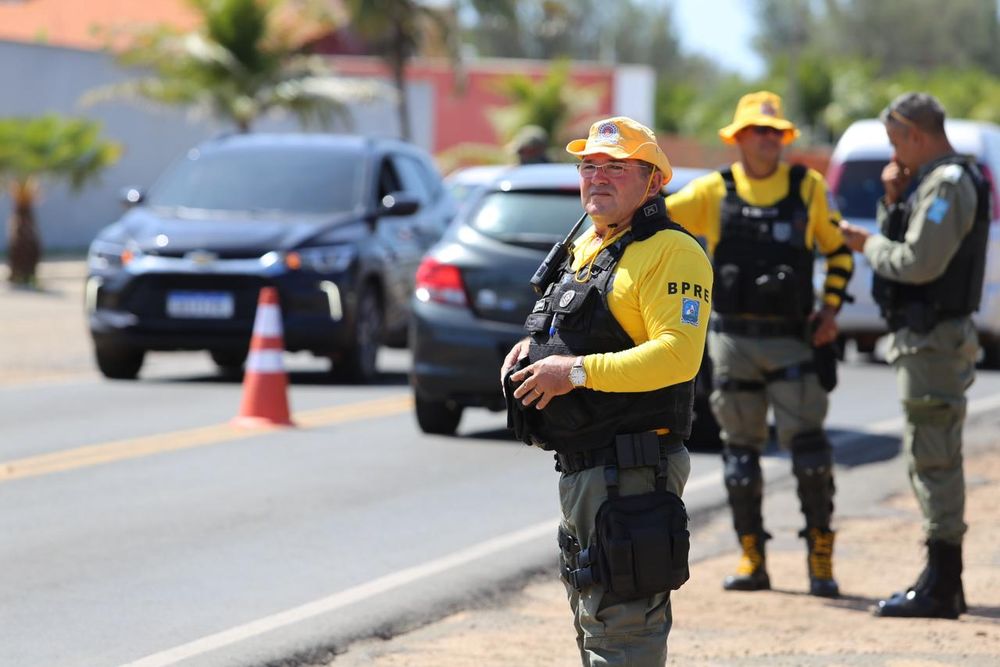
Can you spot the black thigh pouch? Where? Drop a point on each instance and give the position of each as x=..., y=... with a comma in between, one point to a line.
x=641, y=544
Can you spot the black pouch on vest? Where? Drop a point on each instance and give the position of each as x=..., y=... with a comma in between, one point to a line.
x=775, y=293
x=519, y=418
x=641, y=544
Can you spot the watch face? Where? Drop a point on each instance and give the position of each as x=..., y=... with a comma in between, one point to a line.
x=577, y=376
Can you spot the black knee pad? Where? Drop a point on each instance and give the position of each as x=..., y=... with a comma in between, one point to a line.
x=745, y=486
x=811, y=454
x=812, y=463
x=742, y=471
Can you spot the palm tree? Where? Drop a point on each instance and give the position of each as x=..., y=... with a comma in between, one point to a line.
x=35, y=149
x=395, y=29
x=551, y=103
x=246, y=60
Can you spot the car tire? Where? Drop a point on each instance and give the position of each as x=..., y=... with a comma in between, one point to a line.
x=230, y=362
x=356, y=364
x=119, y=362
x=437, y=417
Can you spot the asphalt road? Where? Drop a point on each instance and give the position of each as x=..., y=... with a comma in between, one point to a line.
x=140, y=529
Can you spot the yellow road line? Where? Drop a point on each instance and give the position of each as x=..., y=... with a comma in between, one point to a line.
x=131, y=448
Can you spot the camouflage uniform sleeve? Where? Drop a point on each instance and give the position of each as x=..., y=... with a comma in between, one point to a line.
x=943, y=213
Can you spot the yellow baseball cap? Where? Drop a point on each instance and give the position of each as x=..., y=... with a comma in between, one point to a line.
x=760, y=108
x=625, y=139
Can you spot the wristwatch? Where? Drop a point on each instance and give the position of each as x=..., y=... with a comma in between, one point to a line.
x=577, y=374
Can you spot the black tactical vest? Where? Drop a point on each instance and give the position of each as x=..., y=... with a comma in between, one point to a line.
x=572, y=318
x=762, y=264
x=956, y=293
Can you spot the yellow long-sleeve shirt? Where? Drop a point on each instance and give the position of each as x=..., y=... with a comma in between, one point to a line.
x=661, y=296
x=698, y=207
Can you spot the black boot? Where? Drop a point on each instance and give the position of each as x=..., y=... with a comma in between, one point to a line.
x=821, y=581
x=938, y=592
x=751, y=573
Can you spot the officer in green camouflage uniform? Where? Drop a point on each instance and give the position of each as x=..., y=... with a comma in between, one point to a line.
x=929, y=263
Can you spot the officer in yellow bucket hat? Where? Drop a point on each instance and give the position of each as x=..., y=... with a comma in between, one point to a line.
x=605, y=380
x=762, y=220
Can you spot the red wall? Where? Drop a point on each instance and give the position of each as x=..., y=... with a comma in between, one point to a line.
x=460, y=115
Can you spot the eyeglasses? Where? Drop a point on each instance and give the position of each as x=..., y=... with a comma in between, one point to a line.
x=765, y=130
x=611, y=169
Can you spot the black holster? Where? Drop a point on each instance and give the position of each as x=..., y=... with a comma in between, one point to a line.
x=825, y=359
x=825, y=364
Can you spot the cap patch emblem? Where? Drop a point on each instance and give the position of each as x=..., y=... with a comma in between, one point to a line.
x=689, y=311
x=767, y=109
x=607, y=133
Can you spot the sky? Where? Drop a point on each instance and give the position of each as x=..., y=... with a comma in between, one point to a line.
x=721, y=30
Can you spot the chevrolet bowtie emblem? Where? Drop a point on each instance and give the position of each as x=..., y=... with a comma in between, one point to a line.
x=201, y=257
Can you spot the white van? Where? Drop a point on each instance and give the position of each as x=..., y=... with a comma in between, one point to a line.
x=854, y=178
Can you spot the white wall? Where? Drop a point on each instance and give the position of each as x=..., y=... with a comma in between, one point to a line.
x=38, y=79
x=635, y=93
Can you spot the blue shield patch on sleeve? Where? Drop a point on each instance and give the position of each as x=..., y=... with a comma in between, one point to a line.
x=937, y=210
x=689, y=311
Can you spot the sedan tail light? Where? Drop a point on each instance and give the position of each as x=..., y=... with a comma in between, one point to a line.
x=441, y=283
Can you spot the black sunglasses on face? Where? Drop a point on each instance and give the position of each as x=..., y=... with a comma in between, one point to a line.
x=764, y=130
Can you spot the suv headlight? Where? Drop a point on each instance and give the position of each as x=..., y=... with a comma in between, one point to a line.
x=107, y=256
x=325, y=259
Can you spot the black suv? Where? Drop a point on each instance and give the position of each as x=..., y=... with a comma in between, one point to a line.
x=337, y=223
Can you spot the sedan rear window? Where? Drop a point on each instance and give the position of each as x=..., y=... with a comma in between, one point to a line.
x=529, y=218
x=287, y=180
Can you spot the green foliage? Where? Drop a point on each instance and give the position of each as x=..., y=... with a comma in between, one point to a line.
x=52, y=148
x=243, y=63
x=396, y=30
x=625, y=31
x=62, y=149
x=551, y=103
x=913, y=34
x=858, y=92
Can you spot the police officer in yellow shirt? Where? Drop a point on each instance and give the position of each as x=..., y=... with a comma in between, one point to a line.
x=605, y=380
x=762, y=220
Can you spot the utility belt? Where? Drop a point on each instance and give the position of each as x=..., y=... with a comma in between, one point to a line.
x=788, y=374
x=629, y=450
x=823, y=363
x=919, y=317
x=757, y=328
x=639, y=546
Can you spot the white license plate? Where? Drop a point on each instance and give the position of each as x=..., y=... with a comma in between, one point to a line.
x=200, y=305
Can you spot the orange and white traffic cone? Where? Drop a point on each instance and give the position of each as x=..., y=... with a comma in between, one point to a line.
x=265, y=382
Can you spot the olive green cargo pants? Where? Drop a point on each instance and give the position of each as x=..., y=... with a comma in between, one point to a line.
x=799, y=404
x=933, y=370
x=611, y=632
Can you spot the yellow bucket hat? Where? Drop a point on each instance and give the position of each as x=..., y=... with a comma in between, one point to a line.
x=760, y=108
x=625, y=139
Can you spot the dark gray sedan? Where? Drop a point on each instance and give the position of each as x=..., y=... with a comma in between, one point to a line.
x=472, y=293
